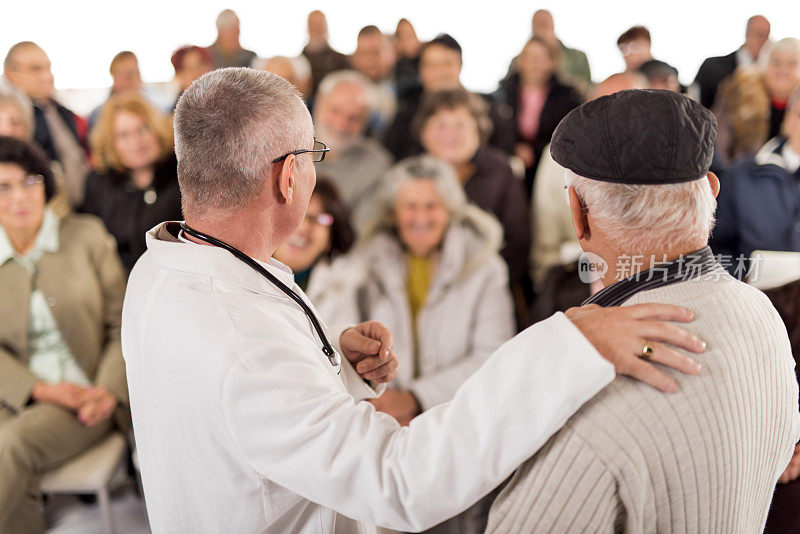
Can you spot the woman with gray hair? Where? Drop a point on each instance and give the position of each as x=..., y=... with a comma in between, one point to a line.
x=16, y=116
x=429, y=269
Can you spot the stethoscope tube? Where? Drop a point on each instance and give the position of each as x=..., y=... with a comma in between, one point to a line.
x=327, y=348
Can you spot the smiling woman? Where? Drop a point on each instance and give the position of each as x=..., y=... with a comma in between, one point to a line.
x=324, y=234
x=136, y=184
x=62, y=378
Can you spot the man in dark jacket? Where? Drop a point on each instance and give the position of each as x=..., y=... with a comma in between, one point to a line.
x=759, y=202
x=60, y=132
x=715, y=69
x=440, y=63
x=322, y=58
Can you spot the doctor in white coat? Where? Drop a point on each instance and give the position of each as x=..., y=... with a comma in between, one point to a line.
x=244, y=425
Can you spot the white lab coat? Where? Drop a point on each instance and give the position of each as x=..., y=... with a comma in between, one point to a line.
x=243, y=425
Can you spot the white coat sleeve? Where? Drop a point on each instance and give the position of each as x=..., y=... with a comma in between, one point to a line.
x=296, y=426
x=492, y=324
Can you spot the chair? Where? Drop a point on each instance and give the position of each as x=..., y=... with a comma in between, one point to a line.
x=90, y=473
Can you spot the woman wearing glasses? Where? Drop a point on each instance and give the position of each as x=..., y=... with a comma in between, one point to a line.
x=135, y=184
x=324, y=234
x=62, y=377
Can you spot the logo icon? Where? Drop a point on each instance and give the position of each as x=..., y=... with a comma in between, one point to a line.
x=591, y=267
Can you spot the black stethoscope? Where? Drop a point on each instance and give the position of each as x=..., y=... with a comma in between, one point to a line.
x=327, y=348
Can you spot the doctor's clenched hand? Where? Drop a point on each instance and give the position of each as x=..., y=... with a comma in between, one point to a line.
x=368, y=347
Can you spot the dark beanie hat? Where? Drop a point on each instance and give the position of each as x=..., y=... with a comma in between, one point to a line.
x=639, y=136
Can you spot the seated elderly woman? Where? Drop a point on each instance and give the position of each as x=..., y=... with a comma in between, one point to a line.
x=707, y=457
x=324, y=235
x=135, y=184
x=454, y=126
x=62, y=376
x=429, y=270
x=751, y=103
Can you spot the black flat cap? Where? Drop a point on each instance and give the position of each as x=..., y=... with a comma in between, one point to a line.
x=639, y=136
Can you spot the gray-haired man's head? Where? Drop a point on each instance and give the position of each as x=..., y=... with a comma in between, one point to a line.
x=229, y=126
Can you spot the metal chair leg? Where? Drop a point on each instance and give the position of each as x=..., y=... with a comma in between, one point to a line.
x=104, y=501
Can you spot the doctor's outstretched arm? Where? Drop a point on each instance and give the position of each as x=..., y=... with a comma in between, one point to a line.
x=297, y=428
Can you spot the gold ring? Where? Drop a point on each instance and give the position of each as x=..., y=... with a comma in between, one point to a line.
x=648, y=350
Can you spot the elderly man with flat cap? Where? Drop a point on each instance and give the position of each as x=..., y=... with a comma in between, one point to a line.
x=707, y=458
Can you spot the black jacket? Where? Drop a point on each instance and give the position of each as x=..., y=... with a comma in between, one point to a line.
x=561, y=99
x=711, y=73
x=494, y=188
x=402, y=141
x=128, y=212
x=42, y=134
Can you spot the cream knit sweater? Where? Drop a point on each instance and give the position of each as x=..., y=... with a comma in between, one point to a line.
x=705, y=459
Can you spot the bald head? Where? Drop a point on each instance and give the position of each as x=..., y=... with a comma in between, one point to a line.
x=317, y=27
x=756, y=34
x=227, y=19
x=618, y=82
x=543, y=26
x=27, y=67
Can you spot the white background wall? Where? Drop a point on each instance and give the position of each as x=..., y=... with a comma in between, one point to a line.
x=81, y=37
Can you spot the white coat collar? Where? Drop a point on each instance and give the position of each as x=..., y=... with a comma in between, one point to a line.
x=166, y=249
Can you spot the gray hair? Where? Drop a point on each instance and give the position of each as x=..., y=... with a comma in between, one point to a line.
x=643, y=219
x=229, y=126
x=444, y=178
x=787, y=44
x=330, y=82
x=23, y=104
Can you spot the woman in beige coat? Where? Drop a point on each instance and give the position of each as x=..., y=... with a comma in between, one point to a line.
x=429, y=269
x=62, y=377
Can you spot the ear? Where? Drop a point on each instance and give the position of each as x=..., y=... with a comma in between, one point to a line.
x=579, y=220
x=286, y=178
x=714, y=183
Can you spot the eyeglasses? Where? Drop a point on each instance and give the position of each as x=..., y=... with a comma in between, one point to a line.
x=323, y=219
x=28, y=184
x=317, y=153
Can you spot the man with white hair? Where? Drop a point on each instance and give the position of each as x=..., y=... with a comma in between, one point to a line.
x=707, y=458
x=356, y=163
x=226, y=50
x=554, y=240
x=243, y=426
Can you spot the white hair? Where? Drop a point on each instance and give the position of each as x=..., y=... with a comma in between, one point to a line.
x=229, y=126
x=461, y=210
x=11, y=96
x=787, y=44
x=643, y=219
x=330, y=82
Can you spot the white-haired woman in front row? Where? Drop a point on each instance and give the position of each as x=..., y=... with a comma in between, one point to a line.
x=428, y=268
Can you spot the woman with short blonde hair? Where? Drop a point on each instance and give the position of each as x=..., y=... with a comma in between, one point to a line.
x=135, y=182
x=101, y=139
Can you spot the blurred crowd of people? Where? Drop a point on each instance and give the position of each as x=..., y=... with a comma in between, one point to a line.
x=442, y=205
